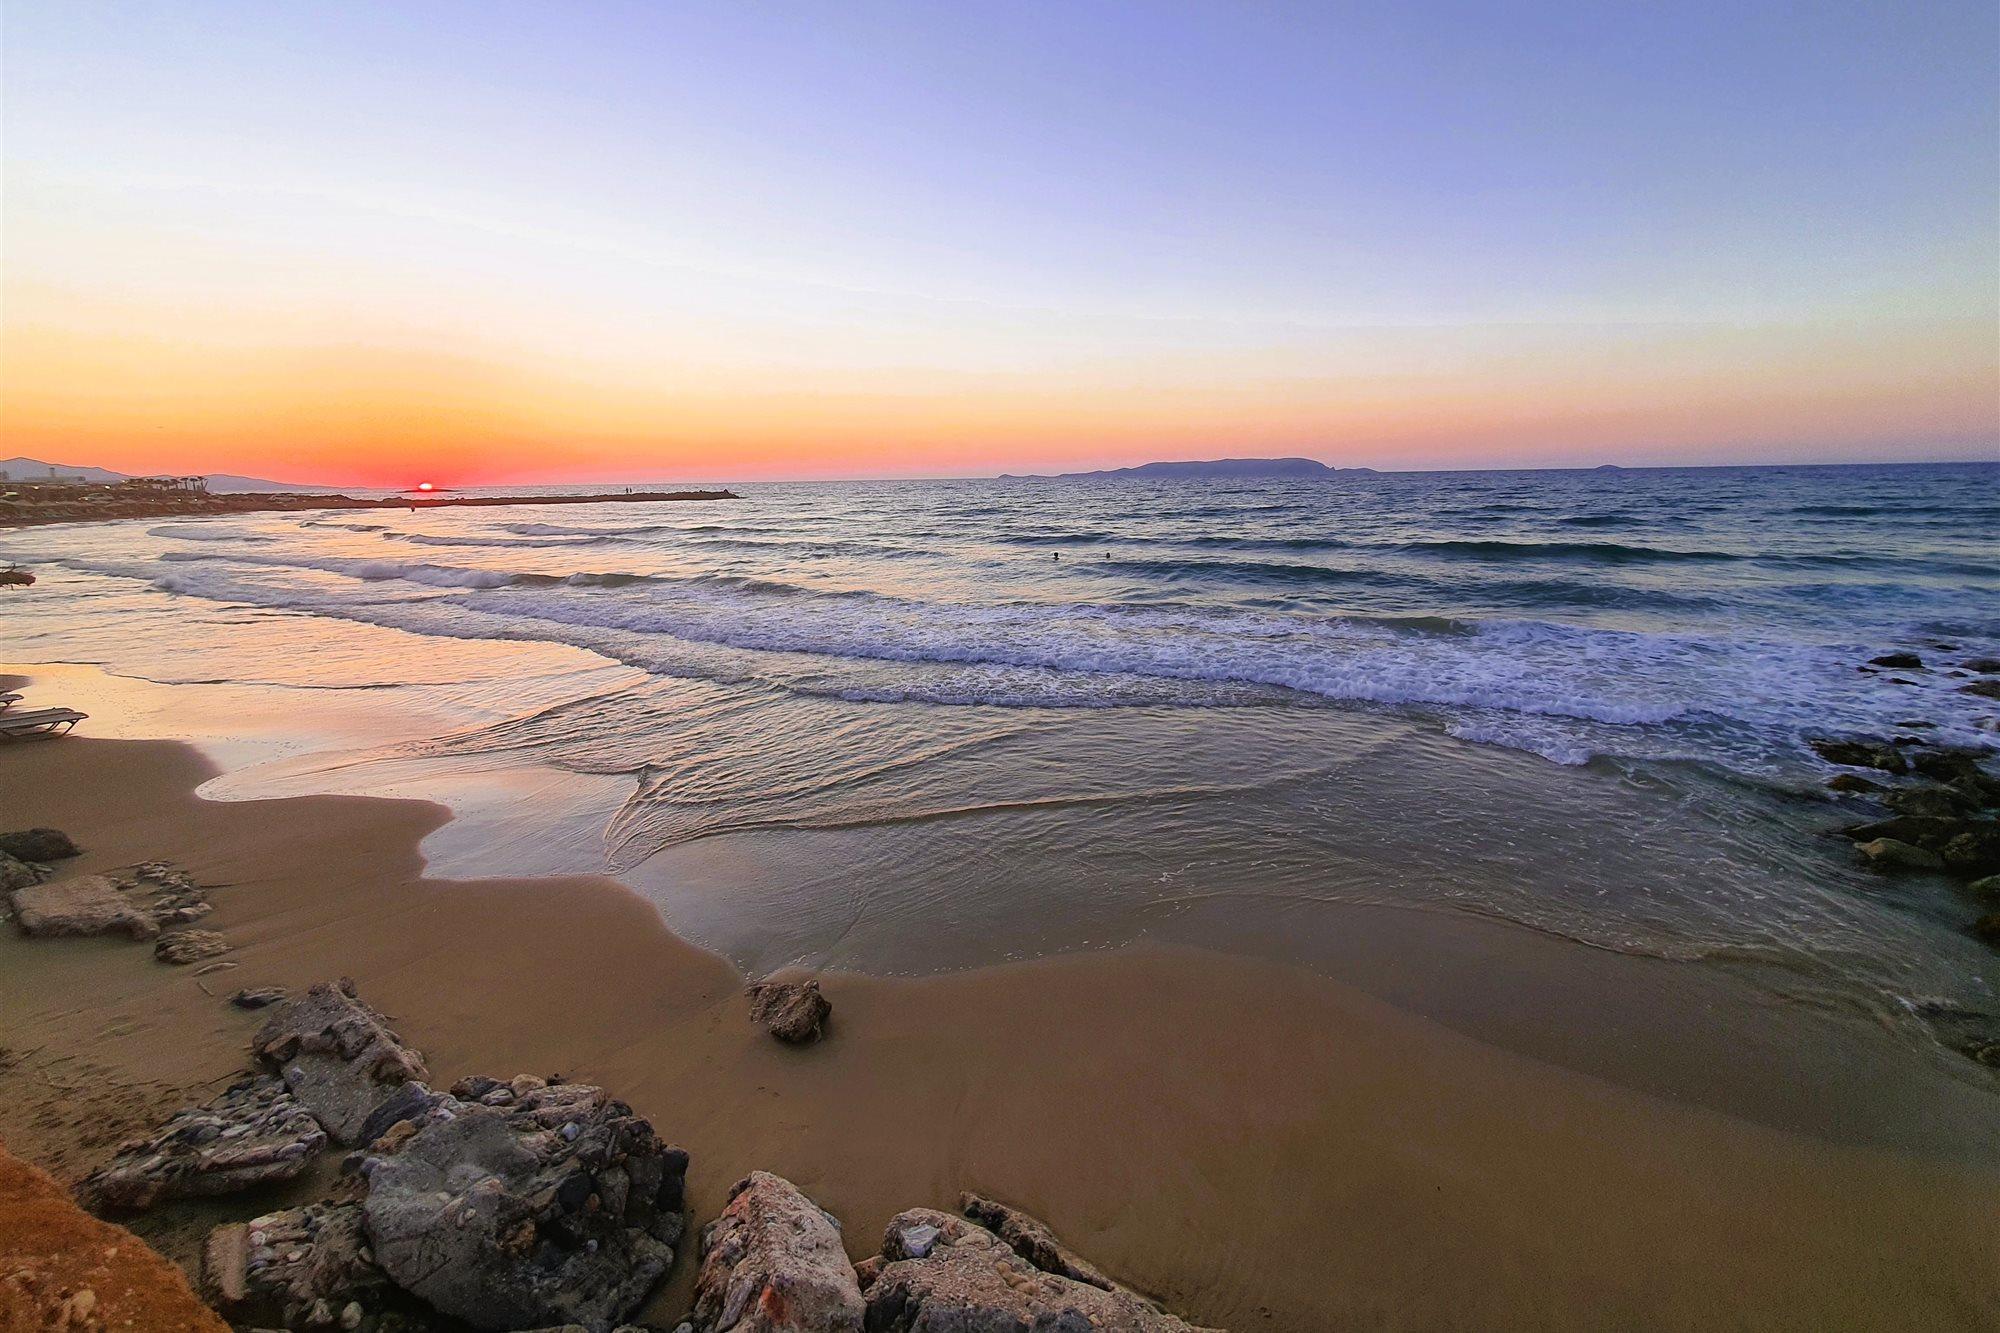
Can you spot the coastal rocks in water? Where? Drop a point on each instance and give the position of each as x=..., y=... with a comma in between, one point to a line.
x=1974, y=852
x=253, y=1133
x=1927, y=831
x=189, y=946
x=943, y=1274
x=38, y=844
x=18, y=874
x=1985, y=666
x=1031, y=1238
x=1986, y=888
x=257, y=997
x=1852, y=784
x=1889, y=854
x=792, y=1011
x=561, y=1206
x=1935, y=802
x=337, y=1055
x=1861, y=754
x=1985, y=689
x=1988, y=928
x=772, y=1262
x=80, y=905
x=1900, y=661
x=298, y=1268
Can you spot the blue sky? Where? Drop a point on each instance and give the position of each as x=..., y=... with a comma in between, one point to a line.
x=798, y=235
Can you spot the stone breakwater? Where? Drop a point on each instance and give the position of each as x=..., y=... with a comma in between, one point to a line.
x=28, y=506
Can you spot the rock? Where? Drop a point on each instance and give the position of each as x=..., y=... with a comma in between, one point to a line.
x=257, y=997
x=1948, y=765
x=1926, y=831
x=1974, y=852
x=1032, y=1240
x=1889, y=854
x=175, y=898
x=189, y=946
x=38, y=844
x=1852, y=783
x=1988, y=666
x=287, y=1267
x=1901, y=661
x=792, y=1011
x=1985, y=689
x=1861, y=754
x=18, y=874
x=1935, y=802
x=1988, y=928
x=772, y=1262
x=80, y=905
x=562, y=1207
x=252, y=1133
x=1987, y=888
x=968, y=1280
x=337, y=1055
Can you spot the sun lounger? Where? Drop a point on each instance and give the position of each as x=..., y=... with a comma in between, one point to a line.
x=38, y=722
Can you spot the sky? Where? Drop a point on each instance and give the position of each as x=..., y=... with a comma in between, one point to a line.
x=486, y=243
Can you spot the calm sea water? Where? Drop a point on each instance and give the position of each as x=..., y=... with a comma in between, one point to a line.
x=916, y=725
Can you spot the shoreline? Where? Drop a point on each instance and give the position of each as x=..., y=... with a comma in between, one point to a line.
x=1387, y=1169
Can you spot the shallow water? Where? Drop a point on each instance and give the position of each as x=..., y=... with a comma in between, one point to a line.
x=910, y=727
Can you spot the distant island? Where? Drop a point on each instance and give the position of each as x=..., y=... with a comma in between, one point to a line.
x=1214, y=469
x=35, y=471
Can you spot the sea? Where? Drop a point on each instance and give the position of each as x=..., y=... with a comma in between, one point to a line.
x=916, y=726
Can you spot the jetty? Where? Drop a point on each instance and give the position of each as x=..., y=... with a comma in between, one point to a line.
x=25, y=504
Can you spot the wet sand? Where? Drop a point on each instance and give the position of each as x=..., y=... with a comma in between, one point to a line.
x=1260, y=1147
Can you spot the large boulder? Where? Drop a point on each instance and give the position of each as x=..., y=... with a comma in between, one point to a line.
x=38, y=844
x=80, y=905
x=772, y=1262
x=792, y=1011
x=943, y=1274
x=253, y=1133
x=522, y=1204
x=338, y=1056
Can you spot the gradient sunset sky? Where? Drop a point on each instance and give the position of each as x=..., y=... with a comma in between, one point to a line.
x=362, y=243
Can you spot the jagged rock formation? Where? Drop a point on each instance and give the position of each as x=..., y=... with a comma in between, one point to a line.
x=773, y=1263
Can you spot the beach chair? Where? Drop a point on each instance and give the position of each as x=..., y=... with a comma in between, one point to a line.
x=38, y=722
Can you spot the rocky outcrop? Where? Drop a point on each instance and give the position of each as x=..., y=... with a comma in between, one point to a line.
x=520, y=1204
x=135, y=902
x=253, y=1133
x=1974, y=851
x=338, y=1056
x=299, y=1268
x=792, y=1011
x=772, y=1262
x=1901, y=661
x=943, y=1274
x=18, y=874
x=80, y=905
x=257, y=997
x=189, y=946
x=38, y=844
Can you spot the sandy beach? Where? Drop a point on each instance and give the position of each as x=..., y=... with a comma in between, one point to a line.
x=1256, y=1146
